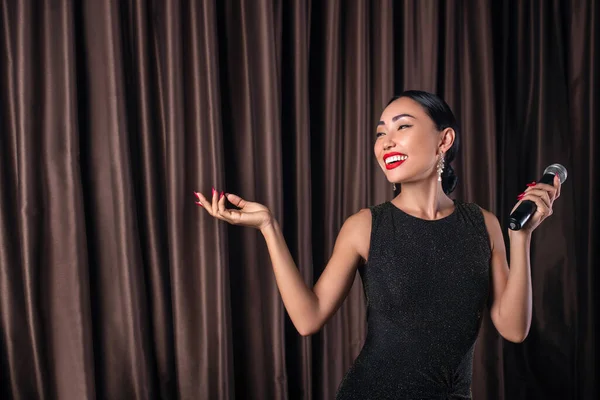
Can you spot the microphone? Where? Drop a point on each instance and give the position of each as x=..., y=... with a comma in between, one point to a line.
x=527, y=208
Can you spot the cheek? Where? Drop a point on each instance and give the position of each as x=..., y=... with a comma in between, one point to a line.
x=420, y=147
x=377, y=148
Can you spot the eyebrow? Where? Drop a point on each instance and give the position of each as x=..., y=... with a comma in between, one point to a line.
x=396, y=118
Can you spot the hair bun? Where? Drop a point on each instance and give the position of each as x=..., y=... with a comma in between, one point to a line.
x=449, y=179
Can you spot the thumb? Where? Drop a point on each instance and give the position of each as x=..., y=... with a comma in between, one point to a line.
x=236, y=200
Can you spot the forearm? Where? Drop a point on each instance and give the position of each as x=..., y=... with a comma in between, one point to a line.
x=300, y=301
x=516, y=302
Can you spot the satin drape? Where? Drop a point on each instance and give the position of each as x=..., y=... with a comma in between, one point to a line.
x=114, y=285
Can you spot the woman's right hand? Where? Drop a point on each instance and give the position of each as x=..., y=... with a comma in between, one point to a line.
x=249, y=213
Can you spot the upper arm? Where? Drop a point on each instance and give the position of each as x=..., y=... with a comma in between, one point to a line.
x=499, y=263
x=350, y=250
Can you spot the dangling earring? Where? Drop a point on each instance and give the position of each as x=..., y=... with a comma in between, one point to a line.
x=440, y=167
x=394, y=187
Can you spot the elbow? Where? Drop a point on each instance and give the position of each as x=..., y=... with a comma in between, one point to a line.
x=308, y=323
x=308, y=329
x=512, y=330
x=516, y=337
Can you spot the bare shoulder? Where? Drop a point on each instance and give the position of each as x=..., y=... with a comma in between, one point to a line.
x=360, y=219
x=488, y=216
x=492, y=225
x=359, y=222
x=357, y=229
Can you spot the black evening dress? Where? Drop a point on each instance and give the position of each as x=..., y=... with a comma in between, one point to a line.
x=426, y=284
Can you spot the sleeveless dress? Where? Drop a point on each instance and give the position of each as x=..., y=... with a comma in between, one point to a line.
x=426, y=284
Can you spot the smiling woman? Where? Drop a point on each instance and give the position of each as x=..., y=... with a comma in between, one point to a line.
x=437, y=111
x=428, y=263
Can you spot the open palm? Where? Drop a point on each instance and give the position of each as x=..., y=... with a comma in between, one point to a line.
x=248, y=213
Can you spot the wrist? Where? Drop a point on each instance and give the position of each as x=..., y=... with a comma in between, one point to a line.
x=522, y=235
x=268, y=226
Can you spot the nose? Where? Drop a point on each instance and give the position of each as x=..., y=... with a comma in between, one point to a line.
x=388, y=143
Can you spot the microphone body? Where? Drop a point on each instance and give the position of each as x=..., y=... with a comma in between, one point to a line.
x=527, y=208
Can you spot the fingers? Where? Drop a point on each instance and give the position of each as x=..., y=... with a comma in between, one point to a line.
x=199, y=198
x=201, y=201
x=542, y=194
x=221, y=203
x=210, y=205
x=215, y=206
x=231, y=216
x=552, y=190
x=215, y=202
x=540, y=197
x=236, y=200
x=542, y=207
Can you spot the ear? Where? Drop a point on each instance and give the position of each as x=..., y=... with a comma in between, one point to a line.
x=447, y=137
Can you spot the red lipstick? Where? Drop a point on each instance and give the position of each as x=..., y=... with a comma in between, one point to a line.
x=397, y=160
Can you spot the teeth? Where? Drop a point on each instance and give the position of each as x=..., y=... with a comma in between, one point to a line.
x=394, y=159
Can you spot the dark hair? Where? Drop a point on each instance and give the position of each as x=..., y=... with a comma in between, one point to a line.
x=443, y=118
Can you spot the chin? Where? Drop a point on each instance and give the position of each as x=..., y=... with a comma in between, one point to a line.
x=406, y=176
x=398, y=178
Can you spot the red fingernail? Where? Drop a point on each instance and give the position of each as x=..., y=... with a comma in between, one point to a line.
x=222, y=194
x=213, y=191
x=531, y=184
x=200, y=204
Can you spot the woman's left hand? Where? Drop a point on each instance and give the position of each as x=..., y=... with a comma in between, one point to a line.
x=543, y=195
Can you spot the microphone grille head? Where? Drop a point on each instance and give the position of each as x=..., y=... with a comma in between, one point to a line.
x=557, y=169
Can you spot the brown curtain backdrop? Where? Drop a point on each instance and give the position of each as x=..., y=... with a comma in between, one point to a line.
x=115, y=285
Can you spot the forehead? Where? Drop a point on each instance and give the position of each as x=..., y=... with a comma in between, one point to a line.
x=403, y=105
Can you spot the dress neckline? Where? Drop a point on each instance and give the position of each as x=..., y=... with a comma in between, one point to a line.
x=427, y=220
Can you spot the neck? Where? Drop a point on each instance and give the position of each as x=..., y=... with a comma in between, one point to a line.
x=424, y=199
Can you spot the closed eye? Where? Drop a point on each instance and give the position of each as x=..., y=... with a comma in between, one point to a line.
x=404, y=127
x=379, y=134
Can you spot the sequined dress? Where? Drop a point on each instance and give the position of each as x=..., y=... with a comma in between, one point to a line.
x=426, y=284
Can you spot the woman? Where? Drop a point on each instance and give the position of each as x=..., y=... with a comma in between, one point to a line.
x=428, y=263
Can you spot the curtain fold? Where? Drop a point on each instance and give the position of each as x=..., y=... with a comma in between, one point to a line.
x=114, y=284
x=296, y=176
x=582, y=45
x=22, y=318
